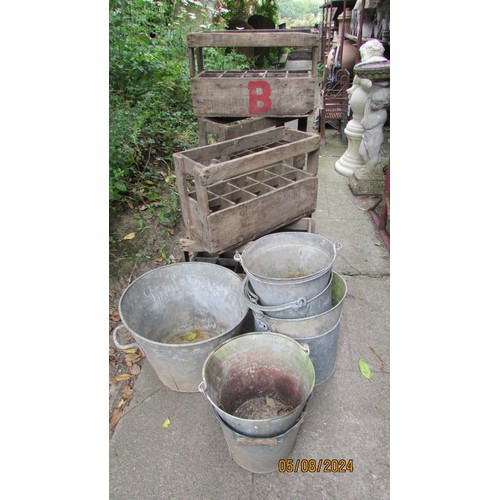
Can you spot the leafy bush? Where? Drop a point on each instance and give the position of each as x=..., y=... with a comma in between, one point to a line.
x=150, y=91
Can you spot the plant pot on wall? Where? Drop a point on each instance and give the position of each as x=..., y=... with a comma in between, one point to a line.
x=349, y=57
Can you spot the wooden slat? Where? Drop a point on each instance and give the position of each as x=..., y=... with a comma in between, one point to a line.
x=266, y=213
x=249, y=163
x=252, y=38
x=214, y=151
x=218, y=97
x=192, y=66
x=199, y=59
x=180, y=179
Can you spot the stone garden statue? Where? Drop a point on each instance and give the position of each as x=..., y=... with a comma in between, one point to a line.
x=373, y=124
x=371, y=51
x=376, y=69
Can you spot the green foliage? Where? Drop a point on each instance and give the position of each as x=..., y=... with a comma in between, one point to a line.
x=150, y=113
x=226, y=10
x=215, y=59
x=300, y=12
x=267, y=8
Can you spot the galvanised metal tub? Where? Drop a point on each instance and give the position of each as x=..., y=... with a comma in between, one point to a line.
x=178, y=314
x=256, y=366
x=282, y=267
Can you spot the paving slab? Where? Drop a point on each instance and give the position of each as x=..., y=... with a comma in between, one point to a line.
x=346, y=418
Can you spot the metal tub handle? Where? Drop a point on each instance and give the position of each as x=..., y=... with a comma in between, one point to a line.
x=305, y=348
x=251, y=300
x=117, y=343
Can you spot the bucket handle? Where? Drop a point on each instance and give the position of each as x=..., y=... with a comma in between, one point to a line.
x=305, y=348
x=251, y=300
x=202, y=388
x=117, y=344
x=337, y=246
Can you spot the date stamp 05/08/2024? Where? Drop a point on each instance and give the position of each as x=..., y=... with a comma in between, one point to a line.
x=312, y=465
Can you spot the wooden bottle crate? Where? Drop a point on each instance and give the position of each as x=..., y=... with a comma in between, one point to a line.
x=246, y=187
x=225, y=128
x=254, y=92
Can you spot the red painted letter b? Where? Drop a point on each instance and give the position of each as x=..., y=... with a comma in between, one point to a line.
x=260, y=97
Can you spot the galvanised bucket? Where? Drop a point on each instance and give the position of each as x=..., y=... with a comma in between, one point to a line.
x=256, y=454
x=299, y=308
x=310, y=326
x=259, y=366
x=178, y=314
x=283, y=267
x=319, y=332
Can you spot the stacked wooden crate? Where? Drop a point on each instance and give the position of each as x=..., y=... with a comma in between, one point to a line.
x=272, y=93
x=256, y=179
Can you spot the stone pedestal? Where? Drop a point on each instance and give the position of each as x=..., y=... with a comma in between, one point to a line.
x=351, y=159
x=367, y=181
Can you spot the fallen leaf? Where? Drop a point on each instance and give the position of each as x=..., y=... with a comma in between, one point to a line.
x=132, y=350
x=129, y=236
x=270, y=402
x=135, y=370
x=115, y=418
x=151, y=183
x=115, y=316
x=119, y=378
x=166, y=423
x=159, y=259
x=378, y=243
x=130, y=205
x=365, y=369
x=127, y=392
x=191, y=336
x=131, y=358
x=121, y=403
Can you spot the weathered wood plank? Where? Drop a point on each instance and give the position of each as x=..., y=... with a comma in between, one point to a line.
x=252, y=38
x=192, y=65
x=234, y=96
x=239, y=166
x=203, y=155
x=202, y=132
x=264, y=214
x=237, y=127
x=313, y=161
x=226, y=258
x=180, y=179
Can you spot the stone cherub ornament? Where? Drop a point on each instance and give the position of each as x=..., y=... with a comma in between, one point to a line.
x=369, y=179
x=351, y=160
x=375, y=68
x=373, y=124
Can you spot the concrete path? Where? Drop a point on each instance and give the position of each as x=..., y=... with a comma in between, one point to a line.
x=347, y=418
